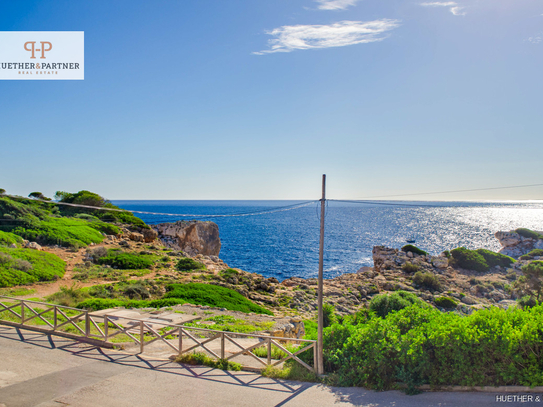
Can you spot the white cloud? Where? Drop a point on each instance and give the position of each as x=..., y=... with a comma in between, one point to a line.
x=452, y=5
x=335, y=4
x=293, y=37
x=535, y=40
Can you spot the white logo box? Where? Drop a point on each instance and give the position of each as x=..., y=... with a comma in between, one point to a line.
x=39, y=55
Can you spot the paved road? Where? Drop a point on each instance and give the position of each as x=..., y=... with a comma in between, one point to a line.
x=41, y=371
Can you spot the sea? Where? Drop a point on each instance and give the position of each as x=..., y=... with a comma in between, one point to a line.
x=283, y=241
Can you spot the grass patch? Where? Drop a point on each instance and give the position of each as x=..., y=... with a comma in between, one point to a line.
x=229, y=323
x=126, y=261
x=215, y=296
x=17, y=292
x=27, y=266
x=202, y=359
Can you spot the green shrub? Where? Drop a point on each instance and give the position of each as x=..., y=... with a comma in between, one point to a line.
x=126, y=261
x=528, y=233
x=213, y=295
x=136, y=291
x=383, y=304
x=7, y=239
x=68, y=296
x=445, y=302
x=417, y=346
x=187, y=264
x=329, y=316
x=532, y=254
x=27, y=266
x=447, y=254
x=427, y=280
x=469, y=259
x=410, y=267
x=495, y=259
x=413, y=249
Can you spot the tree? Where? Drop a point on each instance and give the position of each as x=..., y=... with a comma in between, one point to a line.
x=2, y=191
x=38, y=195
x=531, y=283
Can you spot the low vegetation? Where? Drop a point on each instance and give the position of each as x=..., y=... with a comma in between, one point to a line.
x=202, y=359
x=188, y=264
x=27, y=266
x=479, y=260
x=420, y=345
x=529, y=233
x=119, y=259
x=384, y=304
x=413, y=249
x=427, y=280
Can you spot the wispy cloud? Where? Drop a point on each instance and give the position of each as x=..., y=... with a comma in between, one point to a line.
x=535, y=40
x=293, y=37
x=335, y=4
x=453, y=6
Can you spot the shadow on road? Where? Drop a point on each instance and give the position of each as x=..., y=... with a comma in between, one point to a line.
x=83, y=350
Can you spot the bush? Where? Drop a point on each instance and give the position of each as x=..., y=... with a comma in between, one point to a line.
x=445, y=302
x=427, y=280
x=469, y=259
x=417, y=346
x=528, y=233
x=7, y=239
x=329, y=316
x=383, y=304
x=410, y=267
x=187, y=264
x=200, y=358
x=495, y=259
x=532, y=254
x=126, y=261
x=413, y=249
x=213, y=295
x=137, y=291
x=27, y=266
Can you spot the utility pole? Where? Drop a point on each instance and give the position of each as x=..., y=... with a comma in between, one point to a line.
x=320, y=362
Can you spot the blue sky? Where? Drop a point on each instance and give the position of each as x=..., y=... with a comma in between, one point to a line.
x=255, y=99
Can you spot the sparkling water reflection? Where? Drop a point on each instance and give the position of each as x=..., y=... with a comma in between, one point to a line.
x=285, y=244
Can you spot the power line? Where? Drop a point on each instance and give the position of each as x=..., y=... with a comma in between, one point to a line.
x=379, y=203
x=450, y=192
x=250, y=213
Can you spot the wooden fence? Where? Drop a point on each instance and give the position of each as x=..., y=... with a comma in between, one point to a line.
x=83, y=325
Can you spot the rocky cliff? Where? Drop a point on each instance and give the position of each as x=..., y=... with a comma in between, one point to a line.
x=516, y=244
x=191, y=237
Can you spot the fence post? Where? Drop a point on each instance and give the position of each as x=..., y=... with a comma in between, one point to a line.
x=315, y=359
x=269, y=352
x=222, y=345
x=180, y=340
x=22, y=312
x=142, y=342
x=87, y=324
x=106, y=326
x=55, y=318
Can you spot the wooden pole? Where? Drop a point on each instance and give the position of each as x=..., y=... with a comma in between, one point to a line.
x=320, y=362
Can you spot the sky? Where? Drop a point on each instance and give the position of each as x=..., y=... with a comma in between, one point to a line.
x=256, y=99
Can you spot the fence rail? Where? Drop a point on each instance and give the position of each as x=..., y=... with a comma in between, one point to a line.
x=58, y=319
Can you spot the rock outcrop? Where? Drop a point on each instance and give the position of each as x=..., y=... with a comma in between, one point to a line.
x=515, y=245
x=191, y=237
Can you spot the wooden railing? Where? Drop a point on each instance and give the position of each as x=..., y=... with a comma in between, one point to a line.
x=78, y=323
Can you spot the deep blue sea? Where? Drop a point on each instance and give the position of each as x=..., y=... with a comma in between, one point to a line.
x=285, y=244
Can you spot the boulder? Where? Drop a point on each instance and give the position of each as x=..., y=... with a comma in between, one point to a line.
x=33, y=245
x=149, y=235
x=440, y=262
x=192, y=237
x=137, y=237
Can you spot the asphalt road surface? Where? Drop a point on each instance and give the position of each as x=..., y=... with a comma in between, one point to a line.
x=38, y=370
